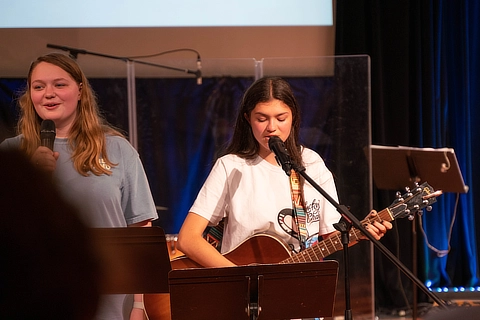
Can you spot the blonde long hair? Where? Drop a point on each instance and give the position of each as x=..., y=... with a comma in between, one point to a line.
x=87, y=137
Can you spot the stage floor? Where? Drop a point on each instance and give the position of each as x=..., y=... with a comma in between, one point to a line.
x=463, y=308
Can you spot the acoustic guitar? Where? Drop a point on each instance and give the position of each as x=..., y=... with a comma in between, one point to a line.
x=267, y=249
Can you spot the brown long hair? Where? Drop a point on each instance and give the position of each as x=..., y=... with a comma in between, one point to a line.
x=243, y=142
x=87, y=137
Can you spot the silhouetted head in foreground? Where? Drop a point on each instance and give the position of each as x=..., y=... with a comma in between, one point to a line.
x=48, y=267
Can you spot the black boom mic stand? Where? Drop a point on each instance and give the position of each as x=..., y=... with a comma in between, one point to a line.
x=132, y=104
x=347, y=221
x=73, y=52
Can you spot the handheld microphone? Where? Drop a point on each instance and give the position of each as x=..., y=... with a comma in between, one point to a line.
x=47, y=134
x=277, y=146
x=198, y=74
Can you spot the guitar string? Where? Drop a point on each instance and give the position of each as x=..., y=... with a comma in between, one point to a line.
x=331, y=246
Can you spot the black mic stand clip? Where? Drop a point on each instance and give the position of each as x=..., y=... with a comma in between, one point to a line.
x=344, y=226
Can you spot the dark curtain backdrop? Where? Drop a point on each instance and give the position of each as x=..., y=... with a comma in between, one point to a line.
x=425, y=80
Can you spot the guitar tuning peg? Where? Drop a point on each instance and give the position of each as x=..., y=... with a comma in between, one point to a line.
x=411, y=217
x=407, y=189
x=427, y=207
x=398, y=194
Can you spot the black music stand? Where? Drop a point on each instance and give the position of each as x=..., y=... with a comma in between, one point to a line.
x=395, y=168
x=280, y=291
x=135, y=260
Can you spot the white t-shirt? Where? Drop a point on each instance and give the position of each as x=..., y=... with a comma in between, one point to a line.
x=255, y=196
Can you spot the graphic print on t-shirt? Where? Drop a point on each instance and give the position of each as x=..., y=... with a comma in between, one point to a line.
x=285, y=219
x=287, y=223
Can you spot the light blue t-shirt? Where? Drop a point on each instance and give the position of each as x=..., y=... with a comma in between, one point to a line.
x=105, y=201
x=115, y=200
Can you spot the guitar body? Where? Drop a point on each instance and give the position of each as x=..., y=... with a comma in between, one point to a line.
x=257, y=249
x=157, y=306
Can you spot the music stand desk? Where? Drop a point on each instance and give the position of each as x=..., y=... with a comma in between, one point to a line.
x=280, y=291
x=395, y=168
x=134, y=260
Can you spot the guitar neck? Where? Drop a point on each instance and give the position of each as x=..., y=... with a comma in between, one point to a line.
x=333, y=243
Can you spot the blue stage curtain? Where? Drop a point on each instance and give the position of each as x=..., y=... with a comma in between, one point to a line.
x=9, y=89
x=425, y=80
x=450, y=85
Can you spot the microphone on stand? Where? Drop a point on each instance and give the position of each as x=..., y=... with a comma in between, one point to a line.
x=198, y=74
x=71, y=51
x=277, y=146
x=47, y=133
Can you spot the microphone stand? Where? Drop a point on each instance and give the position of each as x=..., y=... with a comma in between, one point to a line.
x=74, y=53
x=348, y=217
x=344, y=227
x=132, y=103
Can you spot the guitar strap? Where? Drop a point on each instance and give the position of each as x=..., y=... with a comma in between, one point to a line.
x=298, y=202
x=214, y=234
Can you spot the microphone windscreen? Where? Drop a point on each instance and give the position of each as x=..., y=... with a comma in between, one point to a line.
x=47, y=126
x=47, y=133
x=275, y=141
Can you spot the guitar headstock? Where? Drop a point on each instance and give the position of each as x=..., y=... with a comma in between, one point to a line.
x=421, y=197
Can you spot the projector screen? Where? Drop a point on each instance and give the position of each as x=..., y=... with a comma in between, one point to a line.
x=164, y=13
